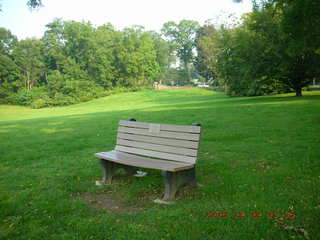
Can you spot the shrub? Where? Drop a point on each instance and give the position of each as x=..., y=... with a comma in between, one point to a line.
x=26, y=98
x=61, y=100
x=39, y=103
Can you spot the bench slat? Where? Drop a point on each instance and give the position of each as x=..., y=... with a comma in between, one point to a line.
x=163, y=134
x=133, y=160
x=161, y=155
x=161, y=141
x=160, y=148
x=165, y=127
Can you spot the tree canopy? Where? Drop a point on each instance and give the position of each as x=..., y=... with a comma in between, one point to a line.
x=75, y=61
x=275, y=49
x=182, y=37
x=33, y=4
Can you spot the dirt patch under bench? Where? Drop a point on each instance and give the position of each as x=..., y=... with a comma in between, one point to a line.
x=109, y=202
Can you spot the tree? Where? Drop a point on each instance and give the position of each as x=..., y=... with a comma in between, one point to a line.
x=296, y=46
x=163, y=54
x=206, y=46
x=135, y=58
x=9, y=74
x=75, y=62
x=182, y=36
x=33, y=4
x=7, y=41
x=293, y=40
x=28, y=57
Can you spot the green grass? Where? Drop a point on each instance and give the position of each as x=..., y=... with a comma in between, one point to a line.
x=258, y=154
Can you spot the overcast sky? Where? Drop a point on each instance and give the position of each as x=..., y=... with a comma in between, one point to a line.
x=151, y=14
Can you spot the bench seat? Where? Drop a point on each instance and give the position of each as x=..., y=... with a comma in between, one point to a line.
x=143, y=162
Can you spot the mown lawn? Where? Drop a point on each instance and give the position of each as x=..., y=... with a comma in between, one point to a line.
x=258, y=164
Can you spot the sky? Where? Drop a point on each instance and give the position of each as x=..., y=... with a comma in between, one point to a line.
x=151, y=14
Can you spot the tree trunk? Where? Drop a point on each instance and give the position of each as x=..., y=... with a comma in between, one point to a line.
x=298, y=92
x=187, y=68
x=28, y=81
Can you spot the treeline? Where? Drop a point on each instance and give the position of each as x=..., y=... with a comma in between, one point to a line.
x=75, y=62
x=275, y=49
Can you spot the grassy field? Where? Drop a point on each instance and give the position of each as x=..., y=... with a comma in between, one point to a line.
x=258, y=164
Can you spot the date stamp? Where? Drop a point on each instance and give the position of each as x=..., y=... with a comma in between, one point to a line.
x=274, y=214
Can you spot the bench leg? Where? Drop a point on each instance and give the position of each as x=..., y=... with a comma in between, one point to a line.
x=108, y=169
x=174, y=180
x=129, y=169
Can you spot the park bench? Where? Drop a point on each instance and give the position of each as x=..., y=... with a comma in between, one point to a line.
x=172, y=149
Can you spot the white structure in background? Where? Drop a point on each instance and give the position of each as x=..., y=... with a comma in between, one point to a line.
x=203, y=85
x=199, y=84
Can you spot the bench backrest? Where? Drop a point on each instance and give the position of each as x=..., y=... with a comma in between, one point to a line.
x=164, y=141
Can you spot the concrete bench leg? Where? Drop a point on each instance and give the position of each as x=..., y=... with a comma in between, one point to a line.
x=174, y=180
x=108, y=169
x=129, y=169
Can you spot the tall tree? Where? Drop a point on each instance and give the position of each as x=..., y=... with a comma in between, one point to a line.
x=206, y=51
x=296, y=45
x=163, y=53
x=75, y=61
x=293, y=40
x=29, y=58
x=9, y=74
x=135, y=58
x=182, y=36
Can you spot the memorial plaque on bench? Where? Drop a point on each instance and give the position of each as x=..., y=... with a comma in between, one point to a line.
x=154, y=128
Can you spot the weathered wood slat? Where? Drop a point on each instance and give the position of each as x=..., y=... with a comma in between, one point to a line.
x=164, y=127
x=161, y=155
x=156, y=147
x=161, y=141
x=144, y=162
x=164, y=134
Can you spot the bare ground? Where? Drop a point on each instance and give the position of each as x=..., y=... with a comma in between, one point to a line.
x=110, y=202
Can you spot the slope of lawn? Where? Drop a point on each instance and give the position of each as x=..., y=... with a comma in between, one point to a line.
x=258, y=166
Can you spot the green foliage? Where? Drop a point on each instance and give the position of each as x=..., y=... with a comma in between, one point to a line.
x=29, y=59
x=34, y=4
x=243, y=63
x=7, y=41
x=39, y=103
x=27, y=97
x=76, y=62
x=274, y=50
x=206, y=59
x=136, y=59
x=295, y=39
x=9, y=72
x=182, y=37
x=9, y=75
x=66, y=90
x=176, y=77
x=163, y=54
